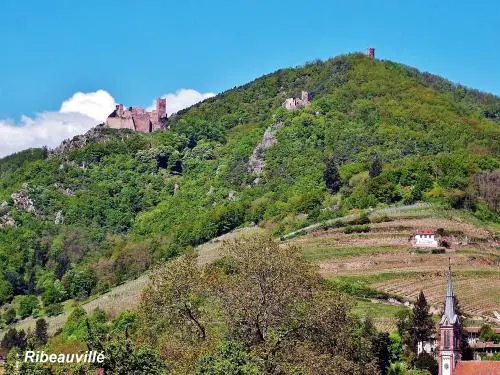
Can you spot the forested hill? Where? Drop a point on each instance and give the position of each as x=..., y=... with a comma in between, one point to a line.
x=376, y=133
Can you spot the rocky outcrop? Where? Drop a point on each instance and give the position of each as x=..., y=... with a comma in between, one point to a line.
x=59, y=218
x=98, y=133
x=5, y=219
x=66, y=191
x=22, y=200
x=256, y=162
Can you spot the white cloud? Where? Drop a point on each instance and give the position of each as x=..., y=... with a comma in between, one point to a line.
x=97, y=105
x=77, y=115
x=181, y=99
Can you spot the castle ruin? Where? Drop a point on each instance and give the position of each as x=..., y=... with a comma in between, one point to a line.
x=137, y=119
x=294, y=103
x=370, y=52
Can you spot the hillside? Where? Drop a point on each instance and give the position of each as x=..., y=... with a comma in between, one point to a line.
x=106, y=207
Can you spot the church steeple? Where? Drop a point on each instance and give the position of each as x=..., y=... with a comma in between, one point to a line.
x=449, y=329
x=449, y=315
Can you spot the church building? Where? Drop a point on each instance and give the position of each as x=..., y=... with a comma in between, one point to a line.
x=449, y=357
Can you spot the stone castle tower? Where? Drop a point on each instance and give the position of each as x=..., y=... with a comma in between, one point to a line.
x=449, y=329
x=137, y=119
x=370, y=52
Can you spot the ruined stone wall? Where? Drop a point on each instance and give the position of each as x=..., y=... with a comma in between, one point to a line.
x=142, y=122
x=120, y=122
x=161, y=108
x=294, y=103
x=137, y=119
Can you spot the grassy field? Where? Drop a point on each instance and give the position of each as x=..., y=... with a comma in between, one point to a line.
x=382, y=314
x=318, y=253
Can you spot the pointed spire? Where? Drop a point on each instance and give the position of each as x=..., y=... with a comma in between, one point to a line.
x=449, y=292
x=449, y=315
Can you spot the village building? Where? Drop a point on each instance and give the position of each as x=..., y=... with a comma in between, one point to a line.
x=138, y=119
x=425, y=237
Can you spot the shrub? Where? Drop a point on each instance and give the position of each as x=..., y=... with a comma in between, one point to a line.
x=362, y=219
x=54, y=309
x=381, y=219
x=230, y=358
x=9, y=316
x=356, y=229
x=26, y=305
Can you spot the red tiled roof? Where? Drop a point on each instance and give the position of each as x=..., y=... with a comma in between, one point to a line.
x=485, y=345
x=477, y=368
x=425, y=231
x=477, y=329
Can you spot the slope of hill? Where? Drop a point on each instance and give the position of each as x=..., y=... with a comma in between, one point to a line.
x=377, y=133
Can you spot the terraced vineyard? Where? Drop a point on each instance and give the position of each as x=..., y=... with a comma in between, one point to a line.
x=480, y=294
x=383, y=259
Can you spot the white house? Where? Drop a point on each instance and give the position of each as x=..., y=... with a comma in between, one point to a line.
x=425, y=238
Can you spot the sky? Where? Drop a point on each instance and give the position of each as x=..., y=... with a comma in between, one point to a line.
x=65, y=64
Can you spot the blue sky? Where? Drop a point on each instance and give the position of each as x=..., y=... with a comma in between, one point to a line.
x=139, y=50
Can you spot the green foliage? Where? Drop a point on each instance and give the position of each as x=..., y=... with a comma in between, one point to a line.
x=332, y=176
x=26, y=305
x=357, y=288
x=427, y=362
x=54, y=309
x=488, y=334
x=53, y=293
x=13, y=338
x=422, y=326
x=375, y=167
x=397, y=368
x=356, y=229
x=80, y=283
x=230, y=358
x=9, y=316
x=41, y=335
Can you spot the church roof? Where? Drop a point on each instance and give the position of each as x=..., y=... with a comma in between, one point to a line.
x=449, y=315
x=477, y=368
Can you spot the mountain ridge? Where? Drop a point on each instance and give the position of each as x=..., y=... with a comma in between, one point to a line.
x=130, y=200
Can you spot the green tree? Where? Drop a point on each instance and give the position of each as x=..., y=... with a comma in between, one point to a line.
x=13, y=338
x=375, y=167
x=381, y=348
x=53, y=293
x=331, y=175
x=422, y=326
x=80, y=283
x=427, y=362
x=397, y=368
x=54, y=309
x=122, y=356
x=466, y=350
x=26, y=305
x=41, y=335
x=486, y=333
x=230, y=358
x=174, y=298
x=9, y=315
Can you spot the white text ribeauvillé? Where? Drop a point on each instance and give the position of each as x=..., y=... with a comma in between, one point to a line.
x=91, y=356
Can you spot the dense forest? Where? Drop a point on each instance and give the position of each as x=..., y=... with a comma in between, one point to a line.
x=77, y=222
